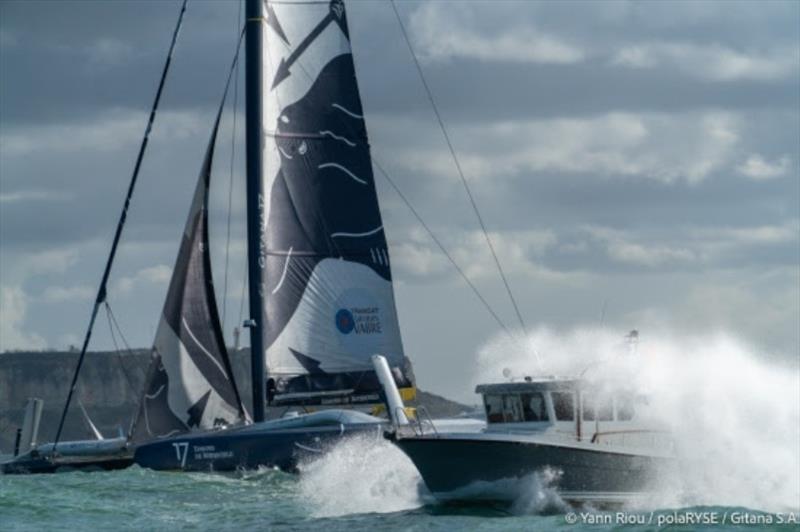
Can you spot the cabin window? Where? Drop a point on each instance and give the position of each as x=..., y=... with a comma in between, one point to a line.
x=598, y=408
x=564, y=405
x=624, y=407
x=512, y=411
x=534, y=408
x=588, y=407
x=494, y=408
x=605, y=408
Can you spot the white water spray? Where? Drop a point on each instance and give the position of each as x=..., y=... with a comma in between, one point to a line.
x=366, y=474
x=735, y=417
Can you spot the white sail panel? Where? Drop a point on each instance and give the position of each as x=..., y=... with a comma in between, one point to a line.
x=342, y=315
x=329, y=301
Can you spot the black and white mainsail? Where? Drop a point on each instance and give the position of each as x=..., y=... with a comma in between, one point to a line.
x=328, y=294
x=189, y=382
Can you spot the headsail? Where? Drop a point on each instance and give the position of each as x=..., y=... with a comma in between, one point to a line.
x=189, y=383
x=329, y=299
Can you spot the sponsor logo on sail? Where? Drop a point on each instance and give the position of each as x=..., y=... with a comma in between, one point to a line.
x=344, y=321
x=360, y=320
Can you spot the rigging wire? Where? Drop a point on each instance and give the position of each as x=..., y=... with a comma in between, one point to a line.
x=230, y=181
x=101, y=291
x=425, y=226
x=440, y=245
x=458, y=166
x=112, y=323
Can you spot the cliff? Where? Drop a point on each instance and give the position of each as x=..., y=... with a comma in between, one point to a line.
x=109, y=387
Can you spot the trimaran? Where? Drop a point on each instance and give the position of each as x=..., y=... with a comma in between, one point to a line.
x=321, y=300
x=323, y=323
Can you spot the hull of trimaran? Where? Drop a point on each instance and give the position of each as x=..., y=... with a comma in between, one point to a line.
x=82, y=455
x=281, y=443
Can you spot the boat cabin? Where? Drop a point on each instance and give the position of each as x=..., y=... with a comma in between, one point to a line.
x=557, y=405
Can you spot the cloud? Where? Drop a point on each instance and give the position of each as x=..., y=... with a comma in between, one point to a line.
x=159, y=274
x=439, y=35
x=668, y=148
x=620, y=247
x=108, y=51
x=418, y=257
x=693, y=247
x=59, y=294
x=759, y=169
x=115, y=129
x=759, y=245
x=550, y=130
x=711, y=62
x=765, y=308
x=13, y=308
x=26, y=265
x=21, y=196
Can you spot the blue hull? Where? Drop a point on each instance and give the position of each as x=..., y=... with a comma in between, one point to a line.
x=247, y=447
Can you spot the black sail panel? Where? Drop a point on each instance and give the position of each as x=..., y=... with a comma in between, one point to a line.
x=329, y=298
x=189, y=384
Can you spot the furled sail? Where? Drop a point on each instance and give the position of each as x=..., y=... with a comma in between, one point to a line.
x=328, y=295
x=190, y=383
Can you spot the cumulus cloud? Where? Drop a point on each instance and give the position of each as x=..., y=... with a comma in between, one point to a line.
x=109, y=51
x=587, y=115
x=59, y=294
x=621, y=247
x=690, y=246
x=114, y=130
x=764, y=308
x=441, y=32
x=669, y=148
x=48, y=261
x=13, y=310
x=158, y=274
x=759, y=169
x=762, y=234
x=439, y=36
x=416, y=256
x=711, y=62
x=20, y=196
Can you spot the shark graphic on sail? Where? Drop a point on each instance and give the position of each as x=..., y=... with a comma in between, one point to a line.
x=321, y=296
x=329, y=297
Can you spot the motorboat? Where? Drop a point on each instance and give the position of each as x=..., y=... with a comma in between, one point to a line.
x=591, y=440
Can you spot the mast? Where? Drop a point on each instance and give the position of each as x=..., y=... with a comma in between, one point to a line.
x=256, y=248
x=101, y=291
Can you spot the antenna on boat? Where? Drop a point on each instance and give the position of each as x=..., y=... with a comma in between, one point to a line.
x=603, y=312
x=632, y=339
x=256, y=246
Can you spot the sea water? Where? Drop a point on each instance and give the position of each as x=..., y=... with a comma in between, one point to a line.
x=732, y=411
x=735, y=419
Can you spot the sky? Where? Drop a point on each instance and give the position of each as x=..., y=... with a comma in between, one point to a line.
x=636, y=164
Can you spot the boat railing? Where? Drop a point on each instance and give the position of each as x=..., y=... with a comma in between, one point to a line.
x=419, y=421
x=637, y=437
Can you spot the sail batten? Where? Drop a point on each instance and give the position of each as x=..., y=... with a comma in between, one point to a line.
x=329, y=299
